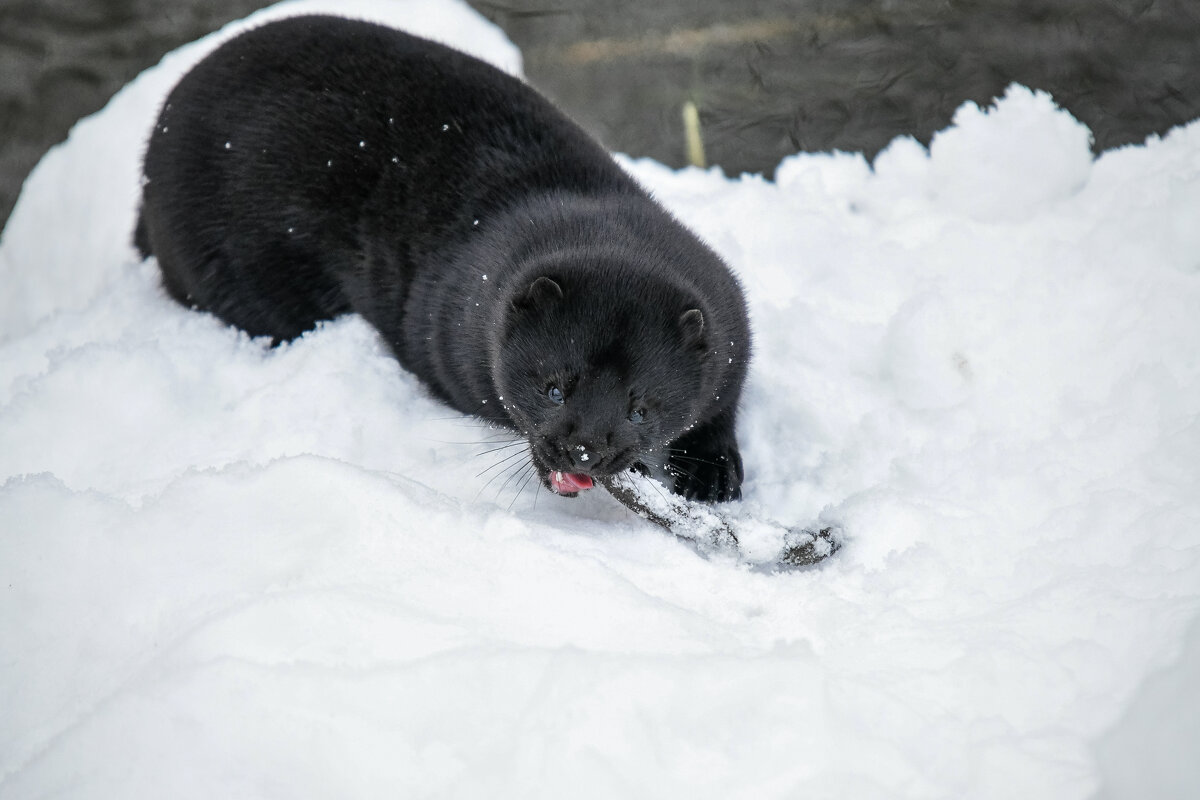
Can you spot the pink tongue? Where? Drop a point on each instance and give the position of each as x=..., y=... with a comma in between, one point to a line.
x=568, y=482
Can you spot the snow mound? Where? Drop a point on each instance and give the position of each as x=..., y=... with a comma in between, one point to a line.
x=230, y=570
x=1011, y=162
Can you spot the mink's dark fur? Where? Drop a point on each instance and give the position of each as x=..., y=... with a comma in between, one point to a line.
x=318, y=166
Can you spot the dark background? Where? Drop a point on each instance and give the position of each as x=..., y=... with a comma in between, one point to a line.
x=769, y=77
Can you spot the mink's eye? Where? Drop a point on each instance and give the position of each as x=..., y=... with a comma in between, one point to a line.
x=637, y=416
x=555, y=394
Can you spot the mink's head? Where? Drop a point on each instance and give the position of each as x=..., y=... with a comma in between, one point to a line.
x=599, y=372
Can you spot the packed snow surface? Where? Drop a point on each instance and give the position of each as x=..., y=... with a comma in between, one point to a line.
x=234, y=571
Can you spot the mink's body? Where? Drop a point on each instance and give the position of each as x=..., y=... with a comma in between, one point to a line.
x=318, y=166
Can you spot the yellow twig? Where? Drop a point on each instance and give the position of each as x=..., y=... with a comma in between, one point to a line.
x=691, y=132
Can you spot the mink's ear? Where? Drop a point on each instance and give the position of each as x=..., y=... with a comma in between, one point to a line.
x=540, y=294
x=691, y=329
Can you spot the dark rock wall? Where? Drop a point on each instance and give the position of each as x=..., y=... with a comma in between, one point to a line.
x=61, y=60
x=769, y=77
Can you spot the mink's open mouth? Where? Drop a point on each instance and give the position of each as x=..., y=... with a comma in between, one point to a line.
x=569, y=483
x=559, y=477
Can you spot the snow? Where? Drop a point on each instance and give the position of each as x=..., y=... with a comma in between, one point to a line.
x=228, y=570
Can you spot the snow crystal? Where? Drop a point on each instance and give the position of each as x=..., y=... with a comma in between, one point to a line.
x=237, y=570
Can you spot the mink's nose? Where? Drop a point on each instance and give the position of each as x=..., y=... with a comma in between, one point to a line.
x=584, y=455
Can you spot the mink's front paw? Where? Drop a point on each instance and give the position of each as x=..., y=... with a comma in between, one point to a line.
x=705, y=465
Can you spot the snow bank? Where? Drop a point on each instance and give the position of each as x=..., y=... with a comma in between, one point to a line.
x=234, y=571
